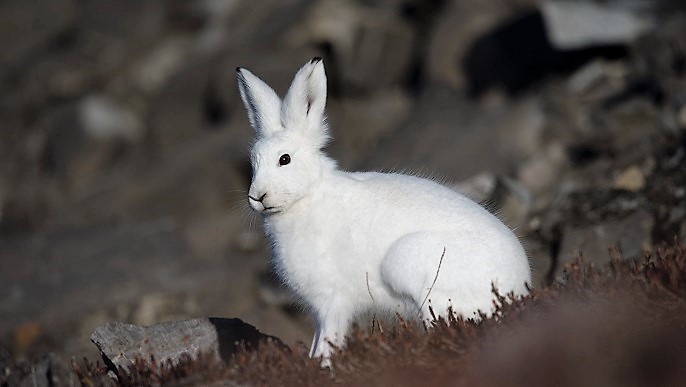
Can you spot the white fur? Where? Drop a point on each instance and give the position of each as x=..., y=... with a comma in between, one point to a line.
x=339, y=236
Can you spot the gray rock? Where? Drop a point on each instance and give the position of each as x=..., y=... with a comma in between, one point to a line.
x=47, y=371
x=578, y=24
x=599, y=74
x=512, y=201
x=372, y=44
x=542, y=171
x=153, y=71
x=681, y=117
x=632, y=235
x=539, y=259
x=121, y=345
x=631, y=179
x=218, y=26
x=457, y=26
x=102, y=118
x=479, y=187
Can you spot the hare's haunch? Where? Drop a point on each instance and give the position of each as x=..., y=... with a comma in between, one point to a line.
x=348, y=242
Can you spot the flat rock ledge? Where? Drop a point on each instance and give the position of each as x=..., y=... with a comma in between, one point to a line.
x=121, y=345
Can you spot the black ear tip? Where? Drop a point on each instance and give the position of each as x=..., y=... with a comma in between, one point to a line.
x=316, y=59
x=238, y=69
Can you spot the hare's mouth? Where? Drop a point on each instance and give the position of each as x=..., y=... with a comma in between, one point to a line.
x=258, y=205
x=271, y=210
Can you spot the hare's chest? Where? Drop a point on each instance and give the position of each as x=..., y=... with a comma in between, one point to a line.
x=316, y=258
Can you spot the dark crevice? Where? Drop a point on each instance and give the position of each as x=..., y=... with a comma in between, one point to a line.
x=333, y=70
x=643, y=87
x=214, y=108
x=554, y=245
x=517, y=55
x=422, y=15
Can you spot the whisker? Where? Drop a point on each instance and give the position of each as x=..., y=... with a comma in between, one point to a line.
x=236, y=193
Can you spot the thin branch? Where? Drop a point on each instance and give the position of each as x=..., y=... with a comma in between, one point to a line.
x=374, y=320
x=433, y=283
x=368, y=289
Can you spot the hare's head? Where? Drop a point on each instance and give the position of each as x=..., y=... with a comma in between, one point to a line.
x=287, y=158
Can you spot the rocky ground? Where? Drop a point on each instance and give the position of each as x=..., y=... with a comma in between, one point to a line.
x=123, y=142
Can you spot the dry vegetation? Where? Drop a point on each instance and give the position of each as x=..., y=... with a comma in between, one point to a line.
x=624, y=324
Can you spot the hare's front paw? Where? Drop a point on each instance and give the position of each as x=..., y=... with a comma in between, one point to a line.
x=326, y=363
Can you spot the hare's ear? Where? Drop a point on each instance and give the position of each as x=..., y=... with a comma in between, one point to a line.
x=303, y=106
x=261, y=102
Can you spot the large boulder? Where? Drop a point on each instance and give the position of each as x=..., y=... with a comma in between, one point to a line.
x=124, y=345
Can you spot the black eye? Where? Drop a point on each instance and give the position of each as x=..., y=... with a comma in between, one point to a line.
x=284, y=159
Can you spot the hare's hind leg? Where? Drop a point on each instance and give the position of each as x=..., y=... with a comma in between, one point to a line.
x=417, y=267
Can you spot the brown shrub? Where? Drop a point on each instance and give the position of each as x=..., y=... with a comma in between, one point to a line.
x=621, y=325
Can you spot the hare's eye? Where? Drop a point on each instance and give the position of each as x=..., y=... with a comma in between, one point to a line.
x=284, y=159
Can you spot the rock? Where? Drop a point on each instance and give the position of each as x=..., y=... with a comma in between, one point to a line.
x=456, y=28
x=512, y=201
x=539, y=260
x=633, y=122
x=631, y=179
x=496, y=61
x=370, y=46
x=598, y=74
x=681, y=117
x=154, y=70
x=632, y=235
x=217, y=28
x=540, y=172
x=578, y=24
x=121, y=345
x=479, y=187
x=48, y=371
x=102, y=118
x=51, y=371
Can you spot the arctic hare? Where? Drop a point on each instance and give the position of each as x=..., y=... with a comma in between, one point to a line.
x=348, y=242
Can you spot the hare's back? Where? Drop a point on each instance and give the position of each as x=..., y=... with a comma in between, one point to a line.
x=416, y=204
x=407, y=196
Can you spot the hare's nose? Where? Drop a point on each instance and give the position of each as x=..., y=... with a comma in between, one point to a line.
x=260, y=199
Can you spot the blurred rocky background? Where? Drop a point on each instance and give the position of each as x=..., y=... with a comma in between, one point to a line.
x=123, y=142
